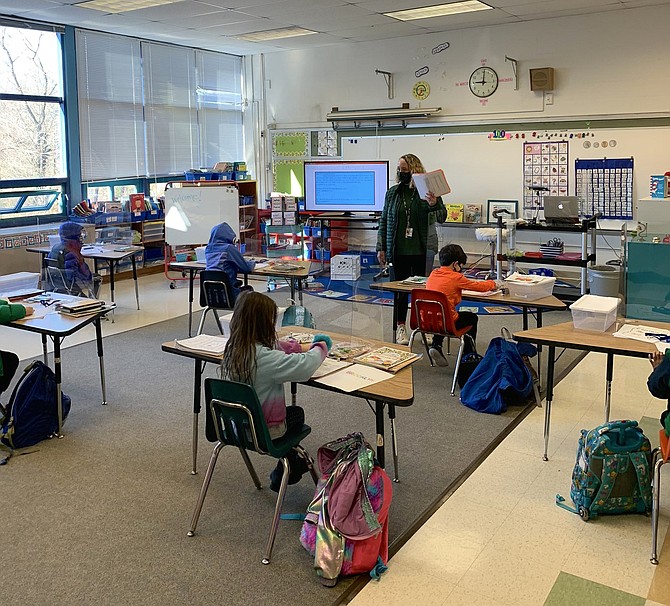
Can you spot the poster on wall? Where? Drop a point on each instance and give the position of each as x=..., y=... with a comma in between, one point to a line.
x=544, y=164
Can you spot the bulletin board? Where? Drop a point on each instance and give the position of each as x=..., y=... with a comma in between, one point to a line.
x=606, y=186
x=191, y=212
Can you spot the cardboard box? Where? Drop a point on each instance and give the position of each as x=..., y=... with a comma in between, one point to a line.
x=345, y=267
x=290, y=204
x=276, y=204
x=291, y=218
x=277, y=218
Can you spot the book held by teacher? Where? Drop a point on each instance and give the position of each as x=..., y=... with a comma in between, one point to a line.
x=434, y=182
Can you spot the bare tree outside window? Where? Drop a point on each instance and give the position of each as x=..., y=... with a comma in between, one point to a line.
x=31, y=130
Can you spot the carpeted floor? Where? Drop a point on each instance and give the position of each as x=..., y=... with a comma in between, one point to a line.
x=101, y=515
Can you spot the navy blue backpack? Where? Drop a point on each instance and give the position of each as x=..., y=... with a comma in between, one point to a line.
x=32, y=412
x=500, y=377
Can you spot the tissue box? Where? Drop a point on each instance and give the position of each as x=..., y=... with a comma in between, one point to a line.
x=592, y=312
x=529, y=287
x=345, y=267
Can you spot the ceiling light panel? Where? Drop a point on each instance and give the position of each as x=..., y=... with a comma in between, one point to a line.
x=439, y=10
x=275, y=34
x=122, y=6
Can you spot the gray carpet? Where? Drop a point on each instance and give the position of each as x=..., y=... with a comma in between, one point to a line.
x=100, y=517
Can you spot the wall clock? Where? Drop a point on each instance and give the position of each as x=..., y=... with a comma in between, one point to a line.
x=421, y=90
x=483, y=82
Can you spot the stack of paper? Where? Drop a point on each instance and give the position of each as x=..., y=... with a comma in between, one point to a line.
x=80, y=308
x=205, y=344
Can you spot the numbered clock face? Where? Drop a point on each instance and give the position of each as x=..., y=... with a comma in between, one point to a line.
x=483, y=82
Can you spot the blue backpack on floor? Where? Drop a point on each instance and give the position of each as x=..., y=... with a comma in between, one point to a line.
x=501, y=377
x=32, y=412
x=612, y=473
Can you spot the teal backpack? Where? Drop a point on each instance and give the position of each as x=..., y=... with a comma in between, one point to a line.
x=297, y=315
x=612, y=473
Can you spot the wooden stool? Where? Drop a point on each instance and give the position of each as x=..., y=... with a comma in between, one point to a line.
x=660, y=456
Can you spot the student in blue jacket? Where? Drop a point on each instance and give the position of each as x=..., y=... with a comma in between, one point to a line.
x=221, y=253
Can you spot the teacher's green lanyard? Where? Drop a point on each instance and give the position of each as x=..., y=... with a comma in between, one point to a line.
x=407, y=202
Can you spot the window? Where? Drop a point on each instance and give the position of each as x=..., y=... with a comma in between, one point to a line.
x=32, y=140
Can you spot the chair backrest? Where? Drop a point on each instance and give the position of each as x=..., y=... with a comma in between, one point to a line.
x=235, y=416
x=60, y=280
x=215, y=290
x=9, y=362
x=432, y=312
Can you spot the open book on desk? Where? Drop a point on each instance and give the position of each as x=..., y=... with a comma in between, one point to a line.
x=354, y=377
x=329, y=366
x=415, y=280
x=387, y=358
x=205, y=344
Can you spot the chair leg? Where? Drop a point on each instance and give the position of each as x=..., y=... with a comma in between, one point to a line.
x=205, y=486
x=458, y=366
x=655, y=497
x=411, y=338
x=278, y=507
x=218, y=322
x=250, y=467
x=202, y=321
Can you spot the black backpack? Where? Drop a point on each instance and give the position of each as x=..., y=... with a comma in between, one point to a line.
x=32, y=412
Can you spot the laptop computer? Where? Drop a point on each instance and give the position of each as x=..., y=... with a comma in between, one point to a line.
x=561, y=210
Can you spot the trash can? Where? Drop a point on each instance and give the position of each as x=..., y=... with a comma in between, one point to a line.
x=604, y=280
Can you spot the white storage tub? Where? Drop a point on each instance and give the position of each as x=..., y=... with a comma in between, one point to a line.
x=19, y=281
x=592, y=312
x=530, y=287
x=200, y=253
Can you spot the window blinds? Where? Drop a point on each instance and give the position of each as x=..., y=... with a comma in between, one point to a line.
x=111, y=122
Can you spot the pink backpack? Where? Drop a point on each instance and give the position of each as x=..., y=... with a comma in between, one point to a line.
x=346, y=527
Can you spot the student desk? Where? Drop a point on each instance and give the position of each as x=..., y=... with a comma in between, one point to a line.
x=396, y=391
x=294, y=277
x=550, y=303
x=113, y=254
x=57, y=327
x=565, y=335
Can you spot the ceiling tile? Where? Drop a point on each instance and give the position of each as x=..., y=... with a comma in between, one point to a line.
x=290, y=9
x=185, y=8
x=236, y=29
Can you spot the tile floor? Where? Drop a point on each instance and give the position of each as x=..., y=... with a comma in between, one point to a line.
x=499, y=539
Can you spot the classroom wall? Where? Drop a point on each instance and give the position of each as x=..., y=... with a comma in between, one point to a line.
x=607, y=64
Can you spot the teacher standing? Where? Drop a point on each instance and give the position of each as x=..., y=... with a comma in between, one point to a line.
x=403, y=232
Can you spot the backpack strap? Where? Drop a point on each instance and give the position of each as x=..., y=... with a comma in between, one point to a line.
x=641, y=465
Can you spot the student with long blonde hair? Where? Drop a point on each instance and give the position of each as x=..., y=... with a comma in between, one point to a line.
x=254, y=355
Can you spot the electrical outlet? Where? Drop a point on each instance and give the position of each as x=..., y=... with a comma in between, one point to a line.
x=548, y=98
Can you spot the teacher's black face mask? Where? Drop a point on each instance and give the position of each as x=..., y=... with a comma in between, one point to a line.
x=404, y=177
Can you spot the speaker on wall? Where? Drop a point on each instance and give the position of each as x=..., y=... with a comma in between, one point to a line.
x=542, y=78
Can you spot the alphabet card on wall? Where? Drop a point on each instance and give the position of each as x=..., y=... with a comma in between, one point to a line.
x=544, y=164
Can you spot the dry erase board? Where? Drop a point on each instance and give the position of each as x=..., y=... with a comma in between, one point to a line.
x=191, y=212
x=479, y=168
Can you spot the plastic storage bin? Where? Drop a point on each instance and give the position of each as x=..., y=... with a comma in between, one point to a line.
x=591, y=312
x=530, y=287
x=200, y=253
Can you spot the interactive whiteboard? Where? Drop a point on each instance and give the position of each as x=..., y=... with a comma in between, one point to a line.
x=192, y=211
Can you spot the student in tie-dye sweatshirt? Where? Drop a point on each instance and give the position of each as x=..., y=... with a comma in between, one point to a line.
x=255, y=356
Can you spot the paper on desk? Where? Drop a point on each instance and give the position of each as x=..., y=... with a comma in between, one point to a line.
x=328, y=366
x=207, y=344
x=434, y=182
x=355, y=377
x=476, y=293
x=637, y=332
x=262, y=265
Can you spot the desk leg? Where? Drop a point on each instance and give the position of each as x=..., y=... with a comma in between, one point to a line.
x=396, y=304
x=191, y=279
x=45, y=352
x=59, y=393
x=525, y=318
x=394, y=442
x=379, y=421
x=608, y=386
x=294, y=394
x=98, y=338
x=538, y=311
x=197, y=394
x=299, y=288
x=550, y=396
x=137, y=289
x=111, y=284
x=292, y=285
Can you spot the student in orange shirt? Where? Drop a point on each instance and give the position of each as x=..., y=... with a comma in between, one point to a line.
x=449, y=279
